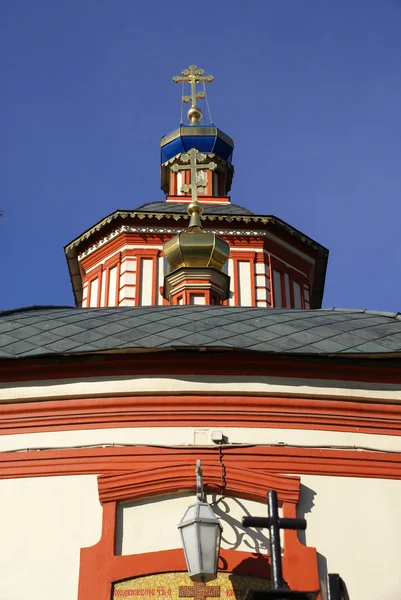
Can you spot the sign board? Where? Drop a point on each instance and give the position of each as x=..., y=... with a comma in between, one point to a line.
x=175, y=586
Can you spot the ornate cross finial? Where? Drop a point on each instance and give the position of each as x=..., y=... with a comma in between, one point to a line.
x=193, y=75
x=193, y=157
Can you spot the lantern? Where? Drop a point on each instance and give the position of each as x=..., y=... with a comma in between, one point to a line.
x=200, y=535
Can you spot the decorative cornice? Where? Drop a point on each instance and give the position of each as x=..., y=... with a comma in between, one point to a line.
x=182, y=216
x=165, y=231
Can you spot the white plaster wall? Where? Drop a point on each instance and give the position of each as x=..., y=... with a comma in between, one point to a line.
x=245, y=283
x=186, y=436
x=151, y=525
x=146, y=283
x=43, y=524
x=128, y=264
x=103, y=289
x=211, y=384
x=93, y=292
x=160, y=271
x=355, y=525
x=230, y=268
x=112, y=291
x=128, y=278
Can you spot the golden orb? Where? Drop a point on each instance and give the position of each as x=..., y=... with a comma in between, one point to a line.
x=194, y=114
x=193, y=208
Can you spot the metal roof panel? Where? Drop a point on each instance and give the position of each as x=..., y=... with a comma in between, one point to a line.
x=51, y=330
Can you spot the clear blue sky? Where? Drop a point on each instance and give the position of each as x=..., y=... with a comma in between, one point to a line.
x=310, y=90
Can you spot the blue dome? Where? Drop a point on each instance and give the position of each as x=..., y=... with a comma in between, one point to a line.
x=207, y=139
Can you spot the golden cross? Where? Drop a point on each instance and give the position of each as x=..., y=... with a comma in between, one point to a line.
x=193, y=75
x=193, y=157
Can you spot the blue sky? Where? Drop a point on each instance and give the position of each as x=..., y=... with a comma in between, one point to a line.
x=310, y=90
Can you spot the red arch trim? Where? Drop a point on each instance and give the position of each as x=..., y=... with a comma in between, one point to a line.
x=166, y=479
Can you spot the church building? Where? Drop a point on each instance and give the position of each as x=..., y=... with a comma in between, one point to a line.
x=196, y=373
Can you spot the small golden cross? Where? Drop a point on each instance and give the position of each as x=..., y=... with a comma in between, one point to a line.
x=193, y=157
x=193, y=75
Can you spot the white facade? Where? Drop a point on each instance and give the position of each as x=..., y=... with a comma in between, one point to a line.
x=44, y=523
x=354, y=523
x=162, y=515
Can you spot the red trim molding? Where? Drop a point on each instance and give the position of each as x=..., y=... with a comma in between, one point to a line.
x=240, y=482
x=200, y=411
x=114, y=460
x=206, y=363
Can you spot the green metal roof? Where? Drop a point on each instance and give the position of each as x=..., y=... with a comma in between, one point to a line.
x=40, y=331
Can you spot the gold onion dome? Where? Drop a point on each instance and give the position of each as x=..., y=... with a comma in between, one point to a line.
x=196, y=247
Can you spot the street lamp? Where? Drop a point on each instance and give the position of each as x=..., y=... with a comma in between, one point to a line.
x=200, y=535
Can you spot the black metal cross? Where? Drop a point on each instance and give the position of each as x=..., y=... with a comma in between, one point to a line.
x=274, y=523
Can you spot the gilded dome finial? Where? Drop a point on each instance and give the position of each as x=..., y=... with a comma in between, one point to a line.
x=195, y=257
x=195, y=247
x=195, y=210
x=193, y=75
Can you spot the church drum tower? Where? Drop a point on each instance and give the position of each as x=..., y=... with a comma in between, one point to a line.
x=121, y=260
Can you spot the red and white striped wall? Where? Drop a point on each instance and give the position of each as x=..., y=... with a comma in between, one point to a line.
x=129, y=270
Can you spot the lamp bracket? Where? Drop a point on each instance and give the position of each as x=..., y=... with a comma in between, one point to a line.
x=199, y=482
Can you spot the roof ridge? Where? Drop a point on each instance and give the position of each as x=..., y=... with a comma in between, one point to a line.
x=22, y=309
x=367, y=311
x=38, y=307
